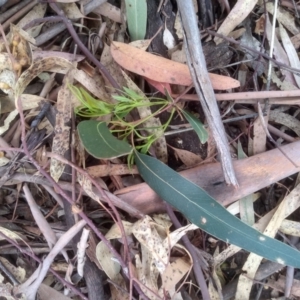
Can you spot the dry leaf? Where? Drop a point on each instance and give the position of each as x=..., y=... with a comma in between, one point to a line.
x=10, y=234
x=61, y=140
x=18, y=272
x=178, y=27
x=108, y=10
x=147, y=273
x=71, y=10
x=174, y=272
x=115, y=231
x=111, y=170
x=283, y=17
x=109, y=63
x=280, y=284
x=260, y=25
x=60, y=65
x=7, y=81
x=105, y=256
x=95, y=85
x=7, y=121
x=160, y=86
x=286, y=120
x=283, y=85
x=168, y=39
x=146, y=233
x=253, y=261
x=38, y=11
x=106, y=259
x=279, y=53
x=236, y=16
x=46, y=292
x=161, y=69
x=190, y=159
x=290, y=227
x=290, y=51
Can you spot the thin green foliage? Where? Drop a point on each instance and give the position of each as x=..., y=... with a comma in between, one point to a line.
x=120, y=126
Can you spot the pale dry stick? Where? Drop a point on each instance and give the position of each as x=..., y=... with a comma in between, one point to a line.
x=203, y=86
x=39, y=218
x=82, y=245
x=51, y=32
x=281, y=134
x=41, y=221
x=4, y=16
x=31, y=285
x=19, y=14
x=272, y=45
x=276, y=97
x=34, y=257
x=259, y=134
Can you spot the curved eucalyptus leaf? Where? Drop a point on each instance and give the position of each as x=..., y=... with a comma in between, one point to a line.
x=205, y=212
x=197, y=126
x=99, y=142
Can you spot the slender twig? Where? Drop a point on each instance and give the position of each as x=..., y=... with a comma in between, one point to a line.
x=19, y=13
x=203, y=86
x=272, y=46
x=10, y=12
x=38, y=21
x=82, y=47
x=233, y=41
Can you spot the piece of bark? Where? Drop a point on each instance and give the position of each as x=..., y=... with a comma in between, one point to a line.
x=253, y=174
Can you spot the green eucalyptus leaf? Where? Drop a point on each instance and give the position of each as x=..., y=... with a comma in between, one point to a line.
x=99, y=142
x=205, y=212
x=197, y=126
x=136, y=14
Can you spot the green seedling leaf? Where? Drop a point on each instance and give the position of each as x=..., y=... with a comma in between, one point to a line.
x=246, y=203
x=99, y=142
x=91, y=107
x=197, y=126
x=136, y=14
x=205, y=212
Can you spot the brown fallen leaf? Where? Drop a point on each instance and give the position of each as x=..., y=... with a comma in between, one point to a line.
x=253, y=173
x=190, y=159
x=162, y=69
x=111, y=170
x=62, y=127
